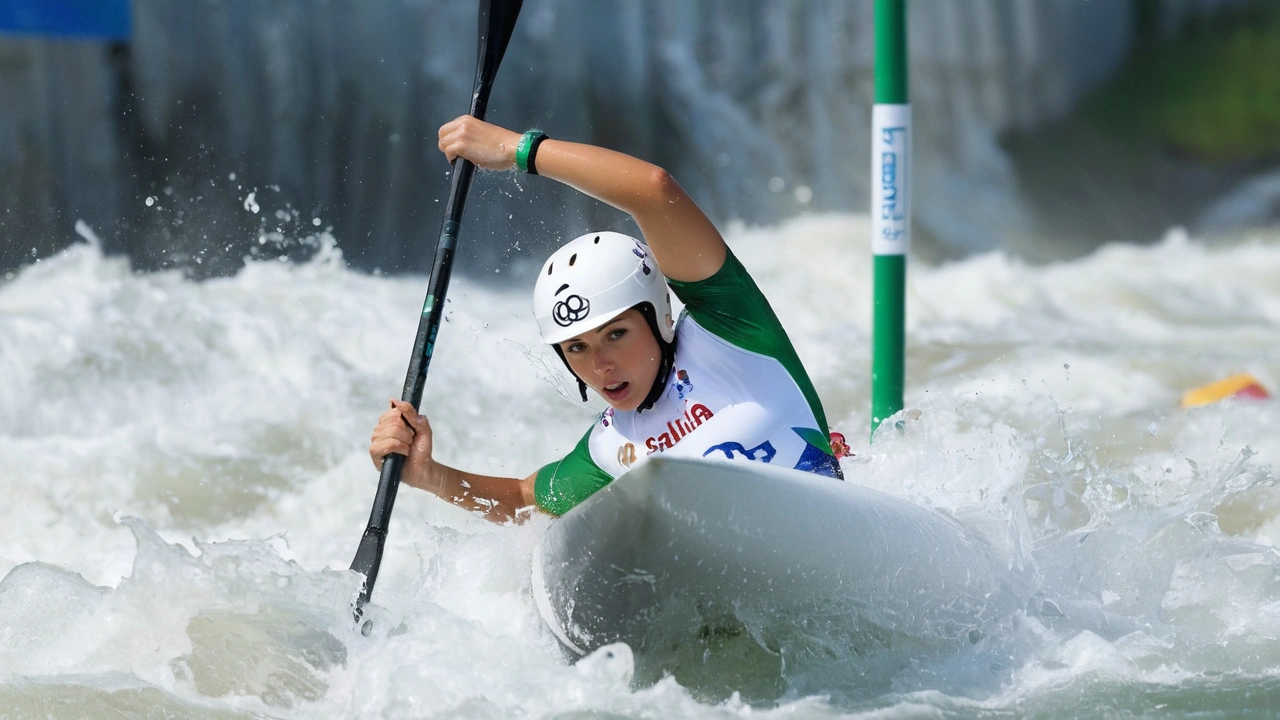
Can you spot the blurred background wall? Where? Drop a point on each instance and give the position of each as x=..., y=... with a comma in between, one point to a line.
x=222, y=128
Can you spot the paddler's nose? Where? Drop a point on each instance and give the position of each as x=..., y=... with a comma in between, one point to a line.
x=603, y=362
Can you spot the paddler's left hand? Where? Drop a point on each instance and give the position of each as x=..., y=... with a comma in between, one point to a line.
x=485, y=144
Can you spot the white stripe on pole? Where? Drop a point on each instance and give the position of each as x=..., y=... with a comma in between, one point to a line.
x=890, y=172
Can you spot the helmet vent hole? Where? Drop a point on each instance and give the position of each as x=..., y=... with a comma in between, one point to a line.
x=550, y=268
x=597, y=240
x=573, y=259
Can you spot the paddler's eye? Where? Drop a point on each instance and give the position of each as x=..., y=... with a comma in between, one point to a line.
x=574, y=348
x=617, y=333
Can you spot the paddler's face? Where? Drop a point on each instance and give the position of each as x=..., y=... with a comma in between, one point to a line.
x=619, y=360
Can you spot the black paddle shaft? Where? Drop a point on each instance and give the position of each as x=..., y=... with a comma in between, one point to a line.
x=497, y=20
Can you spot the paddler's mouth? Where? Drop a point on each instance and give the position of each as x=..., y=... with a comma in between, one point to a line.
x=616, y=392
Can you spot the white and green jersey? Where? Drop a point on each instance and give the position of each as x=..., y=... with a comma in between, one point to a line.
x=737, y=392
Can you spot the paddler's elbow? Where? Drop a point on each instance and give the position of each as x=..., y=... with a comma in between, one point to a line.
x=661, y=187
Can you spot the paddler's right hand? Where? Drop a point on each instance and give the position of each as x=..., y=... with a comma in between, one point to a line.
x=402, y=430
x=487, y=145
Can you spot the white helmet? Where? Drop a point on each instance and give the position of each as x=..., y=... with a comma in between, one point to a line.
x=594, y=279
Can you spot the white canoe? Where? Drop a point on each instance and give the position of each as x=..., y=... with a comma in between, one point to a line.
x=749, y=570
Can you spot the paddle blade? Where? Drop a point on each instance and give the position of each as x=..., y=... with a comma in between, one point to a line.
x=369, y=555
x=368, y=558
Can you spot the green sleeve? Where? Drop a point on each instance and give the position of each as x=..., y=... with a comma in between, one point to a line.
x=561, y=485
x=730, y=306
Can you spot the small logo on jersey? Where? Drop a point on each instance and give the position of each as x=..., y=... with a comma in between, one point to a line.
x=626, y=455
x=763, y=452
x=570, y=310
x=678, y=428
x=606, y=418
x=683, y=385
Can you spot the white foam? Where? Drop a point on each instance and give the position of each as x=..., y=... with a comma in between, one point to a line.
x=232, y=416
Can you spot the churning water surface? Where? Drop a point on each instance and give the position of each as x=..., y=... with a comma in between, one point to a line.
x=186, y=480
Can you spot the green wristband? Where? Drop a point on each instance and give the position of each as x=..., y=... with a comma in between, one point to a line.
x=527, y=148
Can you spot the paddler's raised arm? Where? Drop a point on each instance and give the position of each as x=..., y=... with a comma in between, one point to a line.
x=687, y=246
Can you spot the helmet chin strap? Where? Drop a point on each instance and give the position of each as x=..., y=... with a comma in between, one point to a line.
x=668, y=350
x=664, y=374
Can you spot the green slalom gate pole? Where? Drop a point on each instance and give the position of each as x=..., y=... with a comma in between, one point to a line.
x=890, y=209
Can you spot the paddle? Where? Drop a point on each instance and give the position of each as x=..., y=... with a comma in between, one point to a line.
x=497, y=20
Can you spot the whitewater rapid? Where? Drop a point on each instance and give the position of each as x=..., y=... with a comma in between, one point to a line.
x=186, y=479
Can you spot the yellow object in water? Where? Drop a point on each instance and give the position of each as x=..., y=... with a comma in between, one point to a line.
x=1242, y=385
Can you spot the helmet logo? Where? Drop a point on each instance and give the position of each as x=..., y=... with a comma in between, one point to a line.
x=570, y=310
x=641, y=254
